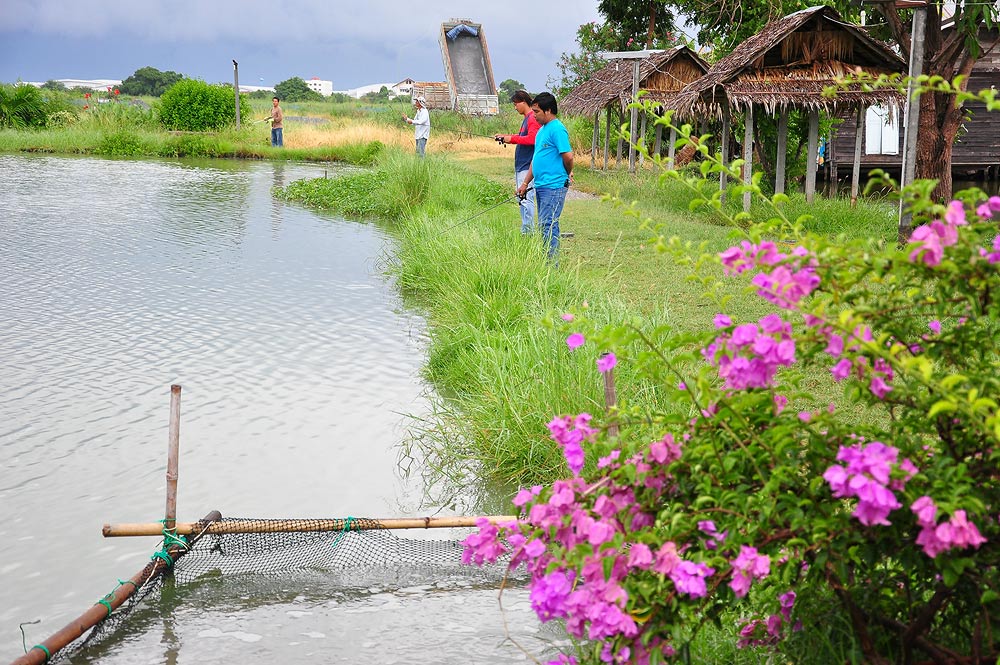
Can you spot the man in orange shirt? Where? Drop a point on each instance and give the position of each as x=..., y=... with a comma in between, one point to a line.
x=277, y=116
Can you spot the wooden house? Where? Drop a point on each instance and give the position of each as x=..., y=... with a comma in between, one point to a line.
x=977, y=149
x=659, y=74
x=788, y=65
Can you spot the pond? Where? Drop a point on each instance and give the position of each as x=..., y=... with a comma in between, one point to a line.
x=300, y=368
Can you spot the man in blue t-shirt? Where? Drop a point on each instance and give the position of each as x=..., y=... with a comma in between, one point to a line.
x=551, y=168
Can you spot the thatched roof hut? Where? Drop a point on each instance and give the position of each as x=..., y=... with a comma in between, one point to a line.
x=662, y=75
x=789, y=63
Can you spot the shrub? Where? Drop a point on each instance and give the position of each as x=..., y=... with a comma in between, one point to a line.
x=761, y=498
x=22, y=106
x=195, y=106
x=120, y=144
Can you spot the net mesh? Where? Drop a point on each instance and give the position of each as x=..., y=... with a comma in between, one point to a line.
x=359, y=554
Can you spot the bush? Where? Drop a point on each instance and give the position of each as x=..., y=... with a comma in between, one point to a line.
x=195, y=106
x=120, y=144
x=22, y=106
x=841, y=448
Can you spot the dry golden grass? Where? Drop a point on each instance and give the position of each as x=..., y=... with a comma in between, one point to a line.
x=332, y=134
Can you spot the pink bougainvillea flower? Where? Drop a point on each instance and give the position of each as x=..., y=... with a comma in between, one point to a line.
x=606, y=362
x=935, y=327
x=567, y=317
x=575, y=341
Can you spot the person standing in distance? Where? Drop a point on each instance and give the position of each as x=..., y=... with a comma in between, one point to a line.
x=551, y=168
x=421, y=122
x=277, y=117
x=524, y=150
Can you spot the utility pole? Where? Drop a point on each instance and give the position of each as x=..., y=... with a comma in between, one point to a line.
x=909, y=166
x=236, y=88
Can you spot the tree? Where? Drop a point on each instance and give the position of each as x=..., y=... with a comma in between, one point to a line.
x=509, y=87
x=149, y=81
x=56, y=86
x=640, y=21
x=296, y=90
x=947, y=53
x=575, y=68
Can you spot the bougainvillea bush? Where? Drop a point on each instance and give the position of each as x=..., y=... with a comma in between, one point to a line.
x=764, y=493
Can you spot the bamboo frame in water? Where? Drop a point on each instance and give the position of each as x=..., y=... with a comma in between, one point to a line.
x=302, y=525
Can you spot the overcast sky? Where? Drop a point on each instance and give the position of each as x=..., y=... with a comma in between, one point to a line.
x=350, y=43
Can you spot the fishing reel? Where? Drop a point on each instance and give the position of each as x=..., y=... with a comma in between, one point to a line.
x=499, y=139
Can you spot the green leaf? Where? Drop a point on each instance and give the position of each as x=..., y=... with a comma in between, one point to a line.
x=942, y=406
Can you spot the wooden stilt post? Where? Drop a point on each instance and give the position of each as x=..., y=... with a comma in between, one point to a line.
x=621, y=142
x=859, y=137
x=726, y=129
x=634, y=118
x=607, y=137
x=658, y=140
x=748, y=156
x=173, y=455
x=811, y=155
x=610, y=401
x=672, y=148
x=597, y=138
x=782, y=154
x=642, y=140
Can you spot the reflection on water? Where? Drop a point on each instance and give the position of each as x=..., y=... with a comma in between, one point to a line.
x=119, y=278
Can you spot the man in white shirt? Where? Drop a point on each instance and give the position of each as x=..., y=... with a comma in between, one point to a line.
x=421, y=122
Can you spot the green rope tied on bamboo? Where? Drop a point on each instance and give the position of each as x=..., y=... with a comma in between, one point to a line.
x=124, y=582
x=45, y=650
x=170, y=537
x=163, y=556
x=104, y=601
x=347, y=527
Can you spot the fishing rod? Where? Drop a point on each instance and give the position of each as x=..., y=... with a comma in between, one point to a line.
x=520, y=200
x=482, y=136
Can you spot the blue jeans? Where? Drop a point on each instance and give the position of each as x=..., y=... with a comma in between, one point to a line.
x=550, y=206
x=276, y=138
x=527, y=205
x=421, y=147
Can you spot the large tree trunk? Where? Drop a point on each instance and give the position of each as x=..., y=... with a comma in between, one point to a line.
x=945, y=55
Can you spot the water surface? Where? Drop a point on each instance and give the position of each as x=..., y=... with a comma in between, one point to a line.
x=298, y=365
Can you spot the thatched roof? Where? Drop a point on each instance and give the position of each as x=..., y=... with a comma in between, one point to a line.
x=662, y=75
x=789, y=63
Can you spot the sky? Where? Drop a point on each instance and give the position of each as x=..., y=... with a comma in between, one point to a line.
x=350, y=43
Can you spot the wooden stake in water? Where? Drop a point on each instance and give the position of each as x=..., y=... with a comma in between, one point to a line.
x=173, y=454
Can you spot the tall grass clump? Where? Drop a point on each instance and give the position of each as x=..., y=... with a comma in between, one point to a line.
x=486, y=290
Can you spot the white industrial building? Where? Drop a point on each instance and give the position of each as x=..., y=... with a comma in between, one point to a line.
x=324, y=88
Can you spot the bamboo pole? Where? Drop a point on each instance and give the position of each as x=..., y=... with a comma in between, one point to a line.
x=41, y=652
x=173, y=455
x=304, y=525
x=723, y=175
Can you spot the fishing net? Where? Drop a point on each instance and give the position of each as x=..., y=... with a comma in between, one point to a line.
x=361, y=553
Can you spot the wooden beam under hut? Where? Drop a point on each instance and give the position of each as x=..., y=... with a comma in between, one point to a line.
x=303, y=525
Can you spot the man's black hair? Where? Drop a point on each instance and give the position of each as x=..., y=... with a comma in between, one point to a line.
x=521, y=96
x=276, y=97
x=547, y=102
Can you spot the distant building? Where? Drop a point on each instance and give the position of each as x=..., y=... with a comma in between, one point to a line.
x=358, y=93
x=324, y=88
x=92, y=84
x=403, y=88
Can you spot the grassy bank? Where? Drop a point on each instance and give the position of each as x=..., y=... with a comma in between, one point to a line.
x=485, y=289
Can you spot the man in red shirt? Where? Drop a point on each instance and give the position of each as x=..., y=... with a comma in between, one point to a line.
x=523, y=152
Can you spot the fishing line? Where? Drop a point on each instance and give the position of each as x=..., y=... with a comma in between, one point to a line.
x=483, y=212
x=483, y=136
